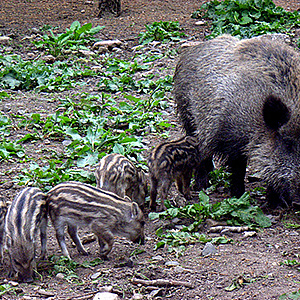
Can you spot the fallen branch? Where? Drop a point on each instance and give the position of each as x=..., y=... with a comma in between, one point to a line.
x=229, y=228
x=162, y=282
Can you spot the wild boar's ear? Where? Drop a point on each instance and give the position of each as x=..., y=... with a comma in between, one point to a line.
x=275, y=112
x=134, y=210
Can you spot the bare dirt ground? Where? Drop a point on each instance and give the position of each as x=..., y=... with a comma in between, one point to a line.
x=254, y=262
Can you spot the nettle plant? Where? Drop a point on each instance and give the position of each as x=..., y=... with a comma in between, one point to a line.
x=18, y=74
x=76, y=37
x=89, y=128
x=235, y=211
x=247, y=18
x=163, y=31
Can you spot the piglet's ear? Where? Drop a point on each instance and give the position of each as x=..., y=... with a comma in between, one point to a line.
x=135, y=210
x=275, y=113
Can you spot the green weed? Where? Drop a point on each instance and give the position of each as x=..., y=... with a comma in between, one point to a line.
x=235, y=211
x=163, y=31
x=76, y=37
x=17, y=74
x=290, y=296
x=247, y=18
x=5, y=288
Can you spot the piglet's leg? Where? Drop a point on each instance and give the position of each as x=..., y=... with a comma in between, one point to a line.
x=105, y=239
x=60, y=236
x=43, y=235
x=72, y=230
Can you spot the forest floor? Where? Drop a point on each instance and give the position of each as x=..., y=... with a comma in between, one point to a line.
x=254, y=265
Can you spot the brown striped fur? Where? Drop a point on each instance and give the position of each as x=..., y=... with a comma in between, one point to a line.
x=174, y=160
x=117, y=174
x=25, y=217
x=77, y=204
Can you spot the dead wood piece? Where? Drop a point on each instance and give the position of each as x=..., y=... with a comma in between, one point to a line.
x=162, y=282
x=229, y=228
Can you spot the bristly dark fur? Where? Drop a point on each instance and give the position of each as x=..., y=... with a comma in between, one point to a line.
x=106, y=214
x=240, y=98
x=3, y=211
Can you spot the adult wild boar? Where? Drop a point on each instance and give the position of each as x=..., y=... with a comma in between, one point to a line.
x=240, y=98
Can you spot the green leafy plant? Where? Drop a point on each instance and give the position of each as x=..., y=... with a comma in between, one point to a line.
x=291, y=296
x=163, y=31
x=235, y=211
x=65, y=266
x=247, y=18
x=218, y=177
x=4, y=95
x=119, y=75
x=17, y=74
x=9, y=149
x=76, y=37
x=291, y=263
x=51, y=173
x=5, y=288
x=89, y=129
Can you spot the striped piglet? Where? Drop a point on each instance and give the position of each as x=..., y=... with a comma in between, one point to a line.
x=25, y=217
x=117, y=174
x=77, y=204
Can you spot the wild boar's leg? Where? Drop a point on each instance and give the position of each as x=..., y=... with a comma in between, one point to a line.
x=201, y=174
x=238, y=169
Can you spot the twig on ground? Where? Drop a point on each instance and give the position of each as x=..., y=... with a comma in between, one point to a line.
x=162, y=282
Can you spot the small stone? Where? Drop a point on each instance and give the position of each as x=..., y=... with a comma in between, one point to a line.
x=190, y=44
x=29, y=37
x=13, y=283
x=249, y=234
x=200, y=23
x=158, y=258
x=107, y=43
x=35, y=30
x=49, y=59
x=96, y=68
x=66, y=143
x=106, y=296
x=106, y=288
x=87, y=53
x=137, y=297
x=95, y=275
x=31, y=55
x=172, y=263
x=209, y=249
x=60, y=276
x=45, y=293
x=4, y=39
